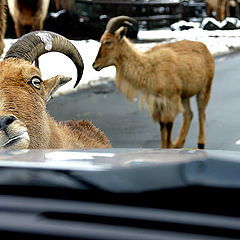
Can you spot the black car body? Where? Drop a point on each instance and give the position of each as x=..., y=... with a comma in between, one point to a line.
x=119, y=194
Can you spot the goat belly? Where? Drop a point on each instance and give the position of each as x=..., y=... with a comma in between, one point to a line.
x=162, y=109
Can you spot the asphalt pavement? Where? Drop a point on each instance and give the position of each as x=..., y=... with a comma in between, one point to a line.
x=128, y=127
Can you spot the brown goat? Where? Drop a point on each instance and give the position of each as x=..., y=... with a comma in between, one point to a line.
x=24, y=121
x=2, y=25
x=221, y=8
x=28, y=15
x=166, y=77
x=68, y=5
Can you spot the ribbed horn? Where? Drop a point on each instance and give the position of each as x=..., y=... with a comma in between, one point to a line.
x=116, y=22
x=32, y=45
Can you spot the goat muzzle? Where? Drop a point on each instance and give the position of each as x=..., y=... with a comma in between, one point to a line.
x=13, y=134
x=96, y=67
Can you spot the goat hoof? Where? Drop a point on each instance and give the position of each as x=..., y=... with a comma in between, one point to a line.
x=177, y=145
x=201, y=145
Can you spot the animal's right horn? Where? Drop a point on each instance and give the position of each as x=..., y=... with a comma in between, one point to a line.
x=32, y=45
x=116, y=22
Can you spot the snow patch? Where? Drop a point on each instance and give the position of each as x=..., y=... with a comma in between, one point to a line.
x=46, y=38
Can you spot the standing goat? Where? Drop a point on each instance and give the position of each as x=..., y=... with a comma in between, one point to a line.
x=2, y=25
x=221, y=8
x=166, y=77
x=24, y=121
x=28, y=15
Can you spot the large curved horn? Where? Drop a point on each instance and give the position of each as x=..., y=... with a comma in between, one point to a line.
x=116, y=22
x=32, y=45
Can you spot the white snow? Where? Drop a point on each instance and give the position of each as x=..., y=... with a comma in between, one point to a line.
x=51, y=64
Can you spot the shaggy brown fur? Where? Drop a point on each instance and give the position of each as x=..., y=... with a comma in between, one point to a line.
x=2, y=25
x=88, y=134
x=221, y=8
x=23, y=104
x=166, y=77
x=68, y=5
x=28, y=15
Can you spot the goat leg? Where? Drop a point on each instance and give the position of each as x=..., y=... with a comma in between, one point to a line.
x=166, y=134
x=186, y=122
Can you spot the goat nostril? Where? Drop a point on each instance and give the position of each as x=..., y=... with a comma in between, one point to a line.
x=6, y=121
x=10, y=119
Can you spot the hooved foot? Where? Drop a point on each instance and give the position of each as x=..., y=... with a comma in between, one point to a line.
x=178, y=144
x=201, y=145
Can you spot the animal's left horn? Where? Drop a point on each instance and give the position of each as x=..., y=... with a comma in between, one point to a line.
x=116, y=22
x=32, y=45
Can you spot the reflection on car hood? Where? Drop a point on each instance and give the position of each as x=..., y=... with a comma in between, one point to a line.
x=95, y=159
x=123, y=170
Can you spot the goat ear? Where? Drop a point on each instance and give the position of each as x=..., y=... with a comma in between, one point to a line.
x=120, y=33
x=51, y=85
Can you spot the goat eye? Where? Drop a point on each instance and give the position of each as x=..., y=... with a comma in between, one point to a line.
x=36, y=82
x=107, y=43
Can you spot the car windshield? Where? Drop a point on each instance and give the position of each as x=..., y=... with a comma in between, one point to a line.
x=138, y=140
x=119, y=119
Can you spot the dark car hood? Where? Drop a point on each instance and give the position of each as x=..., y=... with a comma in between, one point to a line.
x=121, y=170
